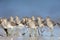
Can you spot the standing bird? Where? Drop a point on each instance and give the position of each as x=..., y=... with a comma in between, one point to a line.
x=24, y=20
x=33, y=18
x=41, y=24
x=11, y=19
x=19, y=24
x=31, y=25
x=32, y=28
x=11, y=25
x=17, y=20
x=50, y=24
x=4, y=25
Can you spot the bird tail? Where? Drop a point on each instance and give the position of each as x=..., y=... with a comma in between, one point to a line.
x=58, y=24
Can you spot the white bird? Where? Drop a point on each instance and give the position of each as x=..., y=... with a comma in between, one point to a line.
x=11, y=22
x=31, y=25
x=11, y=25
x=19, y=24
x=50, y=24
x=24, y=20
x=4, y=25
x=17, y=20
x=40, y=21
x=11, y=19
x=15, y=25
x=33, y=18
x=41, y=24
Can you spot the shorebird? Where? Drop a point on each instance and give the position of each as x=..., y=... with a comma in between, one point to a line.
x=33, y=18
x=11, y=25
x=50, y=24
x=4, y=25
x=41, y=23
x=24, y=20
x=31, y=25
x=11, y=22
x=17, y=20
x=11, y=19
x=20, y=24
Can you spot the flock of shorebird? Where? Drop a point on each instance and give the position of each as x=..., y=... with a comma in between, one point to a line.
x=32, y=22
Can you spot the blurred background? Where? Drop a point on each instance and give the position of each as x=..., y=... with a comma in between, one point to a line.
x=29, y=8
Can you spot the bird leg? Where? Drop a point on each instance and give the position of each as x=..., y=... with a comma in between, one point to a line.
x=51, y=31
x=41, y=31
x=6, y=30
x=30, y=31
x=38, y=31
x=35, y=32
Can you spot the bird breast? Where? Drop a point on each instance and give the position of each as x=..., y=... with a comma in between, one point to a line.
x=32, y=25
x=50, y=24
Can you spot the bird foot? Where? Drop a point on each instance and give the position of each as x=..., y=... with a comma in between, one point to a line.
x=29, y=35
x=23, y=34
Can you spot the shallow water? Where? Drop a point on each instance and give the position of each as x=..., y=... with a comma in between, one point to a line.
x=18, y=36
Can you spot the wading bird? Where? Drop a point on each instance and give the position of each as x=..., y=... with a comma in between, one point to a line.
x=41, y=24
x=17, y=20
x=4, y=25
x=11, y=25
x=50, y=24
x=31, y=25
x=20, y=24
